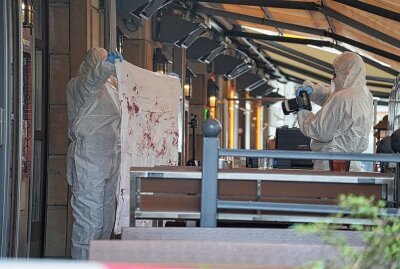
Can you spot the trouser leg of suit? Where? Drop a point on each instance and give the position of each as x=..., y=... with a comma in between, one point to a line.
x=110, y=200
x=93, y=169
x=87, y=209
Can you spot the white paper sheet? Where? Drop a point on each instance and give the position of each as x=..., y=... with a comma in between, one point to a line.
x=149, y=126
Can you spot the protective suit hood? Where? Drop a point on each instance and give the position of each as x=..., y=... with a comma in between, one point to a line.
x=350, y=71
x=93, y=57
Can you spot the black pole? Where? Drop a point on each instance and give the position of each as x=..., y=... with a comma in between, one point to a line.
x=193, y=125
x=193, y=142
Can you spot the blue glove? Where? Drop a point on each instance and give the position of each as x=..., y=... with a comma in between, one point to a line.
x=112, y=56
x=303, y=88
x=304, y=102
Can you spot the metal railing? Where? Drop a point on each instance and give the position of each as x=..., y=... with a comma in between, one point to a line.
x=209, y=186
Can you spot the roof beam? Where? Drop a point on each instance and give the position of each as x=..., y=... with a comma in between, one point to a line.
x=318, y=76
x=261, y=21
x=298, y=53
x=268, y=3
x=299, y=59
x=301, y=71
x=369, y=61
x=294, y=27
x=379, y=85
x=360, y=26
x=380, y=79
x=267, y=45
x=385, y=13
x=363, y=46
x=298, y=80
x=320, y=43
x=315, y=42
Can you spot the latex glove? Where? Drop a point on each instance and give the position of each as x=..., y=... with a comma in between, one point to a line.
x=307, y=89
x=112, y=56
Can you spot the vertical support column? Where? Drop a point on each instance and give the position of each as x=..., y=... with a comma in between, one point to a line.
x=259, y=125
x=110, y=25
x=261, y=131
x=374, y=123
x=236, y=122
x=67, y=34
x=231, y=116
x=247, y=123
x=138, y=49
x=209, y=183
x=79, y=36
x=179, y=67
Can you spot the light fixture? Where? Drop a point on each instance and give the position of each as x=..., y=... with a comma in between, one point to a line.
x=141, y=9
x=212, y=101
x=205, y=50
x=159, y=61
x=27, y=13
x=212, y=94
x=188, y=86
x=232, y=64
x=187, y=41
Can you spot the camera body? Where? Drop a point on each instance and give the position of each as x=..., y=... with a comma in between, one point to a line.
x=302, y=101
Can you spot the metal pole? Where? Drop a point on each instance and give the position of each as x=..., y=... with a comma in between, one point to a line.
x=179, y=67
x=209, y=183
x=375, y=122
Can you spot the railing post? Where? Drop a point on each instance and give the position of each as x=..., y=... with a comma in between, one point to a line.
x=397, y=186
x=209, y=183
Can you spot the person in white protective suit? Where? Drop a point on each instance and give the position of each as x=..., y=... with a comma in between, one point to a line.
x=94, y=152
x=345, y=120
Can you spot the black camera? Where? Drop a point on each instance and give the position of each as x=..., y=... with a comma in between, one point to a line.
x=302, y=101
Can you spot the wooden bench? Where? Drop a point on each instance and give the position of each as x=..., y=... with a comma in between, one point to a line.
x=174, y=192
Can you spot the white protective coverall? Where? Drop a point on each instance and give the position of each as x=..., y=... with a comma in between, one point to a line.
x=345, y=120
x=94, y=153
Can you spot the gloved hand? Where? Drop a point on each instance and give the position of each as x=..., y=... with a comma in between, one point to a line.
x=302, y=100
x=307, y=89
x=112, y=56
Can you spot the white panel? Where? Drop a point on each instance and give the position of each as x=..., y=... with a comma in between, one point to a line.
x=149, y=126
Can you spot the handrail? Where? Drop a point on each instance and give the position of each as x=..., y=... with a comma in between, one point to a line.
x=310, y=155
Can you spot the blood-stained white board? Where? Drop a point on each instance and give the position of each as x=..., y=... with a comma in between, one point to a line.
x=149, y=126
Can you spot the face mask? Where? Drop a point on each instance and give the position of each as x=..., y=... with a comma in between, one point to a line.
x=333, y=85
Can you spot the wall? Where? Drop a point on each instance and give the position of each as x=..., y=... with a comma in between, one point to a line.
x=138, y=48
x=74, y=26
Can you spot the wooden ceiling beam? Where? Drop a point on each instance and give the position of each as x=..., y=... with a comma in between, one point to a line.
x=268, y=3
x=385, y=13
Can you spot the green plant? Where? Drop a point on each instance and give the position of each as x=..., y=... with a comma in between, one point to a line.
x=381, y=238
